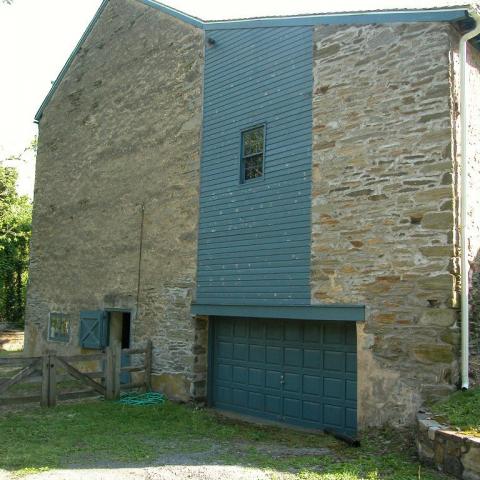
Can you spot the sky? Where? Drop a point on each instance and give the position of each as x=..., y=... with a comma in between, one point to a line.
x=37, y=36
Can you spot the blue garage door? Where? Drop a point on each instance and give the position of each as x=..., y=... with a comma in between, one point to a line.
x=299, y=372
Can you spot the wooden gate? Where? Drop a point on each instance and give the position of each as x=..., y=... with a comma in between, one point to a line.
x=98, y=372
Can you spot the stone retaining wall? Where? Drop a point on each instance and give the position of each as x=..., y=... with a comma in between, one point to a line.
x=447, y=450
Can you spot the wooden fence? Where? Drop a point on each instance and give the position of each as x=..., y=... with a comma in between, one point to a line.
x=98, y=373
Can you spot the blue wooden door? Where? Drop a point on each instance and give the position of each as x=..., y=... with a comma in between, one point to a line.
x=298, y=372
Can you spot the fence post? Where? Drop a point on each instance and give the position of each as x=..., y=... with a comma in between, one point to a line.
x=45, y=380
x=52, y=382
x=109, y=374
x=148, y=366
x=117, y=362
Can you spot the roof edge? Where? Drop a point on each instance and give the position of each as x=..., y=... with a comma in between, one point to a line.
x=196, y=22
x=447, y=14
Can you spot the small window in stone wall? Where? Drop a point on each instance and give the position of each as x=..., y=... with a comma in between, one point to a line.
x=253, y=153
x=58, y=327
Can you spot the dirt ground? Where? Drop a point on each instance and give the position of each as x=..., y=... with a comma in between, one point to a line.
x=205, y=465
x=11, y=340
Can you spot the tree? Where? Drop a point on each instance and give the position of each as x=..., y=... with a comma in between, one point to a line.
x=15, y=230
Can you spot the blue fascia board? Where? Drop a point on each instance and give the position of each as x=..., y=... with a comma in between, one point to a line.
x=196, y=22
x=334, y=312
x=400, y=16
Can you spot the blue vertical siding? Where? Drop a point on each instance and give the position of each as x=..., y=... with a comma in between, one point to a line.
x=254, y=238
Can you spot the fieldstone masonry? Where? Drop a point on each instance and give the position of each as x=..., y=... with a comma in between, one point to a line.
x=447, y=450
x=122, y=131
x=383, y=207
x=118, y=167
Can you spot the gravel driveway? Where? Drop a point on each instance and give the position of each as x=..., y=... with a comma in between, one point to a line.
x=207, y=465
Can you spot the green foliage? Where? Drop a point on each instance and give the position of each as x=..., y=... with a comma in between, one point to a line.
x=462, y=410
x=100, y=433
x=15, y=230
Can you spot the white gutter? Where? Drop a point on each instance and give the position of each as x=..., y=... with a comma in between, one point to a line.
x=464, y=265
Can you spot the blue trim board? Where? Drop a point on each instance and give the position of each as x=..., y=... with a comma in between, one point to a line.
x=402, y=16
x=333, y=312
x=453, y=14
x=196, y=22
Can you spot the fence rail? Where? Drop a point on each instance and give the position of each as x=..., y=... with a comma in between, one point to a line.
x=50, y=370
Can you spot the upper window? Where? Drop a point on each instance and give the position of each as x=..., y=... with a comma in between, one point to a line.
x=58, y=328
x=253, y=152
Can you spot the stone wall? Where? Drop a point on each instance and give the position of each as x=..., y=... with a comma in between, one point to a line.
x=447, y=450
x=121, y=132
x=383, y=207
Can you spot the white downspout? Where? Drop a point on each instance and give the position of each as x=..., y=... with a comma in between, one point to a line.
x=464, y=266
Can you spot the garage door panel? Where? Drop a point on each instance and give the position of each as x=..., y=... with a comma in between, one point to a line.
x=257, y=330
x=312, y=385
x=240, y=397
x=299, y=372
x=351, y=390
x=293, y=357
x=240, y=351
x=312, y=411
x=312, y=358
x=293, y=382
x=333, y=415
x=256, y=353
x=274, y=331
x=294, y=332
x=225, y=328
x=223, y=394
x=333, y=361
x=333, y=334
x=312, y=333
x=351, y=419
x=334, y=388
x=292, y=407
x=240, y=374
x=351, y=362
x=273, y=379
x=225, y=350
x=351, y=337
x=256, y=401
x=274, y=355
x=240, y=328
x=273, y=404
x=225, y=372
x=256, y=377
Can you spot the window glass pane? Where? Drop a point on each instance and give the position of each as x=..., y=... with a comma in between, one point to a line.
x=253, y=167
x=58, y=327
x=253, y=141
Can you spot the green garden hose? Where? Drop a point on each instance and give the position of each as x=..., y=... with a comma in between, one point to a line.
x=141, y=399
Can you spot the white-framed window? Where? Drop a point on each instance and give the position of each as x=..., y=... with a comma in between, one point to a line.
x=252, y=153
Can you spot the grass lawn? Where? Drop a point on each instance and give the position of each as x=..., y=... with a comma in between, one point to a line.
x=107, y=433
x=461, y=410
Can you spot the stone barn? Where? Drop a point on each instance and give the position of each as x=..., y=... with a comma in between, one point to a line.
x=285, y=206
